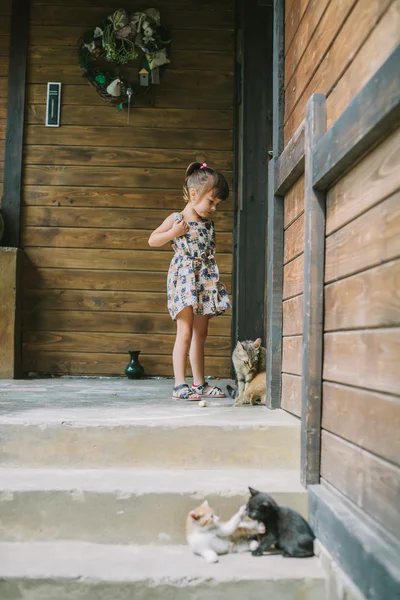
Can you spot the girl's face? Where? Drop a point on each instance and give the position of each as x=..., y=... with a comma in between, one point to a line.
x=204, y=205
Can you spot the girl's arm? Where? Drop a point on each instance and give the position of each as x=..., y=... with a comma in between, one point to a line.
x=167, y=231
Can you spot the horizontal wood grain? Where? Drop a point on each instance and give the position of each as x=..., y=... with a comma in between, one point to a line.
x=366, y=358
x=292, y=354
x=112, y=322
x=135, y=260
x=85, y=16
x=119, y=218
x=42, y=195
x=294, y=202
x=140, y=117
x=70, y=237
x=294, y=13
x=374, y=178
x=367, y=419
x=293, y=277
x=201, y=59
x=291, y=394
x=367, y=241
x=93, y=363
x=94, y=300
x=370, y=482
x=377, y=48
x=303, y=37
x=293, y=316
x=84, y=341
x=104, y=176
x=327, y=30
x=294, y=240
x=355, y=30
x=192, y=140
x=124, y=157
x=368, y=299
x=42, y=278
x=194, y=39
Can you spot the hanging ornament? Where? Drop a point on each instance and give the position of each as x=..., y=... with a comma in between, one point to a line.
x=129, y=93
x=114, y=88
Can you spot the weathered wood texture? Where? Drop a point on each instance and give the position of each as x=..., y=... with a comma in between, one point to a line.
x=95, y=188
x=334, y=50
x=5, y=19
x=361, y=390
x=292, y=307
x=10, y=342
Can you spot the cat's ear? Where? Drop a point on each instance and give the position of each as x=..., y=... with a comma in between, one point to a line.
x=239, y=346
x=194, y=515
x=205, y=503
x=253, y=492
x=257, y=343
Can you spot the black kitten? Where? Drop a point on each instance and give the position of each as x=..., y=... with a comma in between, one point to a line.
x=284, y=527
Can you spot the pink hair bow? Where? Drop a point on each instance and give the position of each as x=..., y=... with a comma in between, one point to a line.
x=204, y=166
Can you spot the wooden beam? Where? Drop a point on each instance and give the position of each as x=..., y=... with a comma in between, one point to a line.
x=275, y=220
x=290, y=164
x=278, y=94
x=15, y=122
x=274, y=292
x=372, y=115
x=313, y=307
x=360, y=547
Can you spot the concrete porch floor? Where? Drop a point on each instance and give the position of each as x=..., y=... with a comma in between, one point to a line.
x=123, y=401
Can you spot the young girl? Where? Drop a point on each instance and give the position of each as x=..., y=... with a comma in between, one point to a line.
x=195, y=292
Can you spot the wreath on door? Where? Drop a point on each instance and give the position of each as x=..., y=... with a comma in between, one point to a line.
x=125, y=55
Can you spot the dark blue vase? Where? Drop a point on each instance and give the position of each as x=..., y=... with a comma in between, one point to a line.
x=134, y=369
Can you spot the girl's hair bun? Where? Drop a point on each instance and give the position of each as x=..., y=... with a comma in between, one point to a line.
x=194, y=166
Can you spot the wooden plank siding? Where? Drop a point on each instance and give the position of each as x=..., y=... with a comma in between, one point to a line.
x=5, y=21
x=361, y=390
x=335, y=49
x=96, y=187
x=292, y=307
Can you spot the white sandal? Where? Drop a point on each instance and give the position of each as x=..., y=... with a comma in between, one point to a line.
x=213, y=392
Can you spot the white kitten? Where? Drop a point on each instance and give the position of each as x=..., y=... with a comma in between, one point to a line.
x=209, y=537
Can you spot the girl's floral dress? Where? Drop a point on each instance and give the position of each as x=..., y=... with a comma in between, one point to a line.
x=193, y=276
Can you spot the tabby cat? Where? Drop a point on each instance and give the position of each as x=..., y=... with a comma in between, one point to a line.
x=209, y=537
x=249, y=358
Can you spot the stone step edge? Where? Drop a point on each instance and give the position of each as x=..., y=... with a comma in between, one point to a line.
x=154, y=564
x=142, y=481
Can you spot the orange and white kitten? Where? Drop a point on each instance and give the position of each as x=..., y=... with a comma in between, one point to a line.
x=209, y=537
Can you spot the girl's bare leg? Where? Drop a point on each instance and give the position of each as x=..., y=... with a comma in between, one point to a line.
x=200, y=331
x=184, y=323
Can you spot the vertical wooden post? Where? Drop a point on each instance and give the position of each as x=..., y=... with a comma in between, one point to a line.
x=313, y=311
x=12, y=187
x=274, y=292
x=275, y=221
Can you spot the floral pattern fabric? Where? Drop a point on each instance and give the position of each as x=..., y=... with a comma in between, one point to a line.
x=193, y=276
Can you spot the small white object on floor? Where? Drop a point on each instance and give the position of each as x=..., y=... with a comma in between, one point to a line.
x=203, y=403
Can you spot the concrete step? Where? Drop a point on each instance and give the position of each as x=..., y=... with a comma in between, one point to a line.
x=69, y=570
x=122, y=506
x=147, y=433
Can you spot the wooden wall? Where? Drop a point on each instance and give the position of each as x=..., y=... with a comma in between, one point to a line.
x=332, y=48
x=292, y=309
x=5, y=15
x=96, y=187
x=361, y=390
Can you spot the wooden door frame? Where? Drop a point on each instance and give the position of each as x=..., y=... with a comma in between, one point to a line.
x=253, y=141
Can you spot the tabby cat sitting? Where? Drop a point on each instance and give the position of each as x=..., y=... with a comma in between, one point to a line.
x=249, y=358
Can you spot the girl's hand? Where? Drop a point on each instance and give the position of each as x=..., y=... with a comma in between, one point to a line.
x=179, y=228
